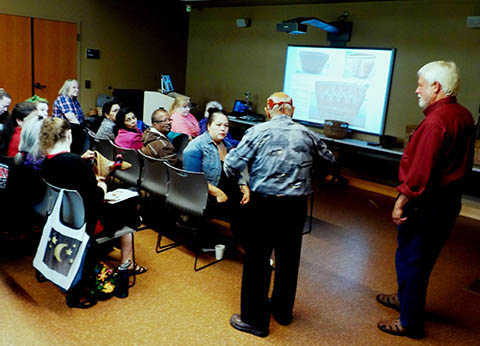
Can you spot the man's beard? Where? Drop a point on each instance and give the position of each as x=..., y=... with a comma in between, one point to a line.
x=423, y=103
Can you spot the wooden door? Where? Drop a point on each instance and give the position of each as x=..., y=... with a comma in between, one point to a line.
x=16, y=57
x=55, y=56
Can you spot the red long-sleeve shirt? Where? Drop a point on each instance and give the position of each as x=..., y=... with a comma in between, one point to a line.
x=440, y=150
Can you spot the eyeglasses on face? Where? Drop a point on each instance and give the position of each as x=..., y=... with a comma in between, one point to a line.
x=162, y=121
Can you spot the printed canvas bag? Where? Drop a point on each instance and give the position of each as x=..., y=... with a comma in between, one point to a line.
x=61, y=252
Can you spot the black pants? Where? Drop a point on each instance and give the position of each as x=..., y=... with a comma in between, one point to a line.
x=276, y=224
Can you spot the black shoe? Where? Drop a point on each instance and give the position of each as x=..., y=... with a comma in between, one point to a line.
x=237, y=323
x=284, y=321
x=81, y=300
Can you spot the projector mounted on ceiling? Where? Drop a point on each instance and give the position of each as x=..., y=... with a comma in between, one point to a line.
x=338, y=33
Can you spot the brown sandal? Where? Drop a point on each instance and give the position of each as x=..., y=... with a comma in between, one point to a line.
x=389, y=300
x=395, y=327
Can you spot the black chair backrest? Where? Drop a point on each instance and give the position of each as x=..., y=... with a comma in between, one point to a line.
x=180, y=142
x=72, y=210
x=105, y=147
x=131, y=176
x=187, y=191
x=154, y=175
x=92, y=139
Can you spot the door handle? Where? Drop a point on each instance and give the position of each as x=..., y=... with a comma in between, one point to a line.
x=37, y=85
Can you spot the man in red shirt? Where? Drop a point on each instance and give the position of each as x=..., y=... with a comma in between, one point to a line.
x=432, y=170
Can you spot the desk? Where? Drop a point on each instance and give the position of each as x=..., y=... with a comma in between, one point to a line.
x=241, y=122
x=363, y=145
x=349, y=144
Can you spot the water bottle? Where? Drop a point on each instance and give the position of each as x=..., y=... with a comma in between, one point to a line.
x=121, y=290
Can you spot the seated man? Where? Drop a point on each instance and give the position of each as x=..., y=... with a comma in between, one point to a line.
x=155, y=140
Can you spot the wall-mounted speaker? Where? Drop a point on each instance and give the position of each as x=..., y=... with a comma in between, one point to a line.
x=243, y=22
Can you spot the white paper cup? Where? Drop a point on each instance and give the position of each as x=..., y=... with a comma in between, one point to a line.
x=219, y=250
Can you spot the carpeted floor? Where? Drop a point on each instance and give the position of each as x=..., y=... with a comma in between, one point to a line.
x=346, y=260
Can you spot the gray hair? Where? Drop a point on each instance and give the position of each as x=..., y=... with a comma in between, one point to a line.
x=444, y=72
x=4, y=93
x=212, y=104
x=30, y=135
x=66, y=86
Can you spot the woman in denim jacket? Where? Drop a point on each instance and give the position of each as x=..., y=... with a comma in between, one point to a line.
x=206, y=154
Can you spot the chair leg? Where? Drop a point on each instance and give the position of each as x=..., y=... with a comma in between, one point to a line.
x=310, y=219
x=162, y=248
x=204, y=266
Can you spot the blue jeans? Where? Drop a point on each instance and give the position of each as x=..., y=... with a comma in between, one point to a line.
x=420, y=240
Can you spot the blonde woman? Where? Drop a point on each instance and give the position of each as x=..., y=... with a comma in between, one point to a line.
x=182, y=120
x=66, y=105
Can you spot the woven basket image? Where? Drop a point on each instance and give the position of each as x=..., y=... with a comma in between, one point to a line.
x=339, y=100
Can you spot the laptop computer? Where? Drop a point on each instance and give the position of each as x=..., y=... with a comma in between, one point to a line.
x=240, y=107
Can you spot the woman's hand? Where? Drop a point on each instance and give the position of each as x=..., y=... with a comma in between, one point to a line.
x=88, y=155
x=72, y=118
x=246, y=194
x=221, y=196
x=101, y=183
x=217, y=193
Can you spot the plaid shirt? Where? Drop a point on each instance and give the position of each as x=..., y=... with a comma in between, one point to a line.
x=280, y=155
x=64, y=104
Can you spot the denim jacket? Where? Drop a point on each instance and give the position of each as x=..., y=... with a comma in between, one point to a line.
x=201, y=155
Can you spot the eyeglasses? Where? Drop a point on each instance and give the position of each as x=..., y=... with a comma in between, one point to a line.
x=162, y=121
x=272, y=104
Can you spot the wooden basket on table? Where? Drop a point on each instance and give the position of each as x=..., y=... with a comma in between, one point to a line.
x=335, y=129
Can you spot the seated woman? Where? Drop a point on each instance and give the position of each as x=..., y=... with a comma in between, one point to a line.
x=67, y=170
x=182, y=120
x=40, y=103
x=127, y=135
x=109, y=111
x=206, y=154
x=25, y=187
x=10, y=136
x=203, y=123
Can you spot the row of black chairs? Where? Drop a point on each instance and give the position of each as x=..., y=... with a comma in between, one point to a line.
x=185, y=191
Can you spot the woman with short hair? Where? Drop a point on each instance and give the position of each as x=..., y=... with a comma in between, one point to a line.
x=10, y=136
x=182, y=120
x=66, y=106
x=106, y=129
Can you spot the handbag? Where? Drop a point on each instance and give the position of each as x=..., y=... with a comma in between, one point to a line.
x=61, y=253
x=105, y=281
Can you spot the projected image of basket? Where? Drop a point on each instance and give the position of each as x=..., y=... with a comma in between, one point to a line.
x=313, y=62
x=339, y=100
x=360, y=64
